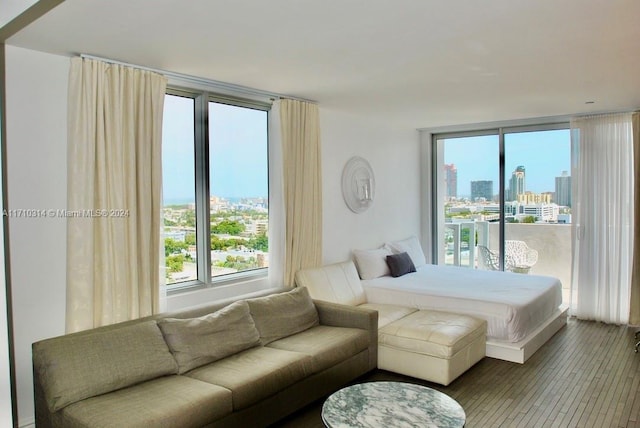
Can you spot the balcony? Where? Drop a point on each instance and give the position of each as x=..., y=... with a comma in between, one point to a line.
x=552, y=241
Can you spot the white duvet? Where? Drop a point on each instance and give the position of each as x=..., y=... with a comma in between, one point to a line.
x=513, y=304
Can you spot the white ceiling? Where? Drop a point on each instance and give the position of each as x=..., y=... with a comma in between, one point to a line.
x=414, y=63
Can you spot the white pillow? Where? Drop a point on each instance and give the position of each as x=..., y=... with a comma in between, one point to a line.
x=372, y=263
x=412, y=247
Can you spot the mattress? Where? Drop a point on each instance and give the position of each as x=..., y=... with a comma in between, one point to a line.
x=513, y=304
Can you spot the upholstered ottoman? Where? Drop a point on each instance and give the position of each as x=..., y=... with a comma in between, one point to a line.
x=433, y=345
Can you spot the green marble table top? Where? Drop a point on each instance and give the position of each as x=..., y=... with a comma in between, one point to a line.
x=390, y=405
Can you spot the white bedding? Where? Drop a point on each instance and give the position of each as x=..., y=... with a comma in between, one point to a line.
x=513, y=304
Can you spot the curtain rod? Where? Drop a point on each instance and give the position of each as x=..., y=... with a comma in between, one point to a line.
x=223, y=86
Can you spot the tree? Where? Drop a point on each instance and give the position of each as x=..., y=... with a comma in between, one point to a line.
x=529, y=219
x=217, y=243
x=171, y=246
x=190, y=239
x=230, y=227
x=175, y=263
x=238, y=263
x=259, y=243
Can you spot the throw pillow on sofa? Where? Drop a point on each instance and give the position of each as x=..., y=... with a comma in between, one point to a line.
x=195, y=342
x=283, y=314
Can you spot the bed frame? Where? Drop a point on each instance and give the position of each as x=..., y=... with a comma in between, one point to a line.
x=519, y=352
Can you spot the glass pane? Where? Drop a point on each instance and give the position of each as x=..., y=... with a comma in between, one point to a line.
x=238, y=166
x=178, y=190
x=470, y=188
x=538, y=203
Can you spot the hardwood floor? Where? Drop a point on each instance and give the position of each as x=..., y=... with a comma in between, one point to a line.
x=587, y=375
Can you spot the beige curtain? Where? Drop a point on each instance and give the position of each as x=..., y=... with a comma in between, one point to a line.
x=634, y=315
x=302, y=177
x=114, y=191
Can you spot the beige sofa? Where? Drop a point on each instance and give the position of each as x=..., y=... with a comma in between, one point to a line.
x=244, y=363
x=431, y=345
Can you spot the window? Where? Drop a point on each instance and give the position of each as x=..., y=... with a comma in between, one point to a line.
x=215, y=189
x=503, y=200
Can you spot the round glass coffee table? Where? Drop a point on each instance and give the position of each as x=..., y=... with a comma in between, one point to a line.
x=391, y=404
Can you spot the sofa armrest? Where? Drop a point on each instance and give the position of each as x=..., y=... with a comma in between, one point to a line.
x=338, y=315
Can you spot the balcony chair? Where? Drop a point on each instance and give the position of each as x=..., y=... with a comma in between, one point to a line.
x=519, y=257
x=488, y=259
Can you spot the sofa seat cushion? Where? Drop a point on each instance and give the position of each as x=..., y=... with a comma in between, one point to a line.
x=434, y=333
x=256, y=373
x=326, y=345
x=170, y=401
x=388, y=313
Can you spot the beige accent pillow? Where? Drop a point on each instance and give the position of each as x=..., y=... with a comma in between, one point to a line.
x=372, y=264
x=411, y=246
x=72, y=368
x=283, y=314
x=195, y=342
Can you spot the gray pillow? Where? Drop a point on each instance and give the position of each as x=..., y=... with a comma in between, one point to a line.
x=195, y=342
x=72, y=368
x=281, y=315
x=400, y=264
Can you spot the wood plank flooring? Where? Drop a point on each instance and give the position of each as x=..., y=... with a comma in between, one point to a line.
x=587, y=375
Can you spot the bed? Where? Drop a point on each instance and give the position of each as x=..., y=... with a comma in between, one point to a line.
x=522, y=311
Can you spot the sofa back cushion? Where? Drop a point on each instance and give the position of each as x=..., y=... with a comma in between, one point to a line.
x=195, y=342
x=78, y=366
x=283, y=314
x=337, y=283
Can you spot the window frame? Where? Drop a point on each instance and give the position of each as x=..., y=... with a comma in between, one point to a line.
x=202, y=97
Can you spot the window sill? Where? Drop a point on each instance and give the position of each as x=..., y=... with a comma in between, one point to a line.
x=233, y=288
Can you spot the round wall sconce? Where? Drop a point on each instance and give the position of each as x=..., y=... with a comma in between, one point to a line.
x=358, y=184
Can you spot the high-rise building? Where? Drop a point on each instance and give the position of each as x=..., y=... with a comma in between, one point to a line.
x=450, y=181
x=534, y=198
x=563, y=189
x=516, y=184
x=482, y=189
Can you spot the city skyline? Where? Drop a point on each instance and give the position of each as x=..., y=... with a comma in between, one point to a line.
x=544, y=154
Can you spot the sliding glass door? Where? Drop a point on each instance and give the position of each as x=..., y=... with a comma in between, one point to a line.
x=503, y=200
x=469, y=199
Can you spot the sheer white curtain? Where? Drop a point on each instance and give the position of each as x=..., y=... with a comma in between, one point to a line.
x=114, y=186
x=634, y=312
x=603, y=217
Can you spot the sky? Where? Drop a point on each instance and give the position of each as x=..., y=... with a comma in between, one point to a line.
x=544, y=154
x=238, y=163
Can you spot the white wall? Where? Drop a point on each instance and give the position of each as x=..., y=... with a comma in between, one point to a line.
x=36, y=179
x=12, y=8
x=394, y=156
x=6, y=408
x=36, y=153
